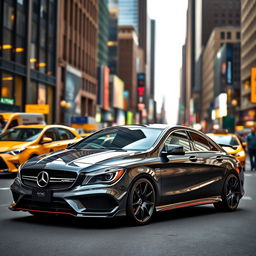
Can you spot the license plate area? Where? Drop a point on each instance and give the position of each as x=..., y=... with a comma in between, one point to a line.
x=42, y=195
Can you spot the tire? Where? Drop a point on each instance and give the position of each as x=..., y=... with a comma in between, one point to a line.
x=231, y=194
x=141, y=202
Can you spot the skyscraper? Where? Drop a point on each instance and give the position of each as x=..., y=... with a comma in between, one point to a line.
x=77, y=59
x=28, y=54
x=248, y=60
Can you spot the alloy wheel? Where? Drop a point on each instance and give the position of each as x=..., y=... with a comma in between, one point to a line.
x=142, y=201
x=233, y=192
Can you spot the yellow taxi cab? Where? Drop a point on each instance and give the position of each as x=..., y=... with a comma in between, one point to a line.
x=21, y=143
x=85, y=130
x=231, y=144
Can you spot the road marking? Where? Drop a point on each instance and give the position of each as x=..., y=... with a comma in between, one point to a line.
x=246, y=198
x=249, y=174
x=4, y=205
x=4, y=188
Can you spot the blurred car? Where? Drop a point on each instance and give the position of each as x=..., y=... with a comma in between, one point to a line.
x=85, y=130
x=231, y=144
x=21, y=143
x=10, y=120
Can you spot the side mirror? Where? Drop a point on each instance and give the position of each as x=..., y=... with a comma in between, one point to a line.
x=70, y=145
x=46, y=140
x=171, y=149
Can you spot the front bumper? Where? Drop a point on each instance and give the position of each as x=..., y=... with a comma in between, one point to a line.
x=9, y=163
x=80, y=201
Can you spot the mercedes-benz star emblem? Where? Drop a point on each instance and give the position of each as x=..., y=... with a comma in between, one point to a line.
x=42, y=179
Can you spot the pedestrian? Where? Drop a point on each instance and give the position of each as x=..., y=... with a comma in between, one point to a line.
x=251, y=145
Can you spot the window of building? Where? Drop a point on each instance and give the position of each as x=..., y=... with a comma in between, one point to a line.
x=228, y=35
x=222, y=35
x=7, y=85
x=238, y=35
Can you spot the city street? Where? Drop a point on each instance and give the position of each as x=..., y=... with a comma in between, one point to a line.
x=190, y=231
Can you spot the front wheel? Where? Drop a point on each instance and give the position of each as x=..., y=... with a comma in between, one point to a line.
x=231, y=194
x=141, y=202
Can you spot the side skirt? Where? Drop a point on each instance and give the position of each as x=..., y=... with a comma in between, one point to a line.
x=207, y=200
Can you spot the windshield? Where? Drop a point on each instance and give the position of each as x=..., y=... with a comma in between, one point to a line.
x=227, y=140
x=121, y=138
x=20, y=134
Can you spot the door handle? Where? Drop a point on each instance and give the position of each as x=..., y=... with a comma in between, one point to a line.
x=193, y=158
x=219, y=158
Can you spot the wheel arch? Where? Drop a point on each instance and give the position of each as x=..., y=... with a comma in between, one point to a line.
x=149, y=177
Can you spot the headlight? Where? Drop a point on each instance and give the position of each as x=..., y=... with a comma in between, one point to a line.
x=241, y=153
x=110, y=176
x=15, y=152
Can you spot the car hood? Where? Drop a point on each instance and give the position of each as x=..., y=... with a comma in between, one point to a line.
x=12, y=145
x=84, y=160
x=233, y=151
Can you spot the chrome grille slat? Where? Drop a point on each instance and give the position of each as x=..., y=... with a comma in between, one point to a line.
x=31, y=178
x=62, y=180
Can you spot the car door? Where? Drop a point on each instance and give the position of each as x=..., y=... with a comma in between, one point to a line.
x=209, y=176
x=65, y=137
x=177, y=171
x=50, y=146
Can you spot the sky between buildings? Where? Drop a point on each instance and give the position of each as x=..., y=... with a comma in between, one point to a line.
x=170, y=16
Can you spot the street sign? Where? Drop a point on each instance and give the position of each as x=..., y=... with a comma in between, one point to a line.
x=36, y=108
x=79, y=119
x=7, y=101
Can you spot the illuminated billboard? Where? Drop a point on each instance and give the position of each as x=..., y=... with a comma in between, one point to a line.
x=118, y=92
x=72, y=96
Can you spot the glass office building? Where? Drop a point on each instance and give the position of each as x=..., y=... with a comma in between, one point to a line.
x=27, y=53
x=128, y=13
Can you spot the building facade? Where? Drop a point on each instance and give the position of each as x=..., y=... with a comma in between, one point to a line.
x=202, y=17
x=126, y=69
x=28, y=54
x=219, y=36
x=248, y=60
x=77, y=59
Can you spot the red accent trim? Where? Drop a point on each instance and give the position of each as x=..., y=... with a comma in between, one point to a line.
x=29, y=210
x=237, y=170
x=188, y=204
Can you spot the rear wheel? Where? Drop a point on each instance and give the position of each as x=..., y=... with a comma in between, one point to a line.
x=141, y=202
x=231, y=194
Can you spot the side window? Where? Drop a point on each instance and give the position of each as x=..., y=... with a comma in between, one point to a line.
x=213, y=147
x=50, y=133
x=179, y=138
x=13, y=123
x=200, y=143
x=65, y=134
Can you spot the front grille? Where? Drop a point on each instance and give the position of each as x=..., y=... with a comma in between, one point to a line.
x=57, y=179
x=3, y=165
x=56, y=205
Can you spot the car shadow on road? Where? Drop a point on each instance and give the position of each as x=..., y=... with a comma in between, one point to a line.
x=120, y=222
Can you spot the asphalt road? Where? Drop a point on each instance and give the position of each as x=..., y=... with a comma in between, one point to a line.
x=198, y=230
